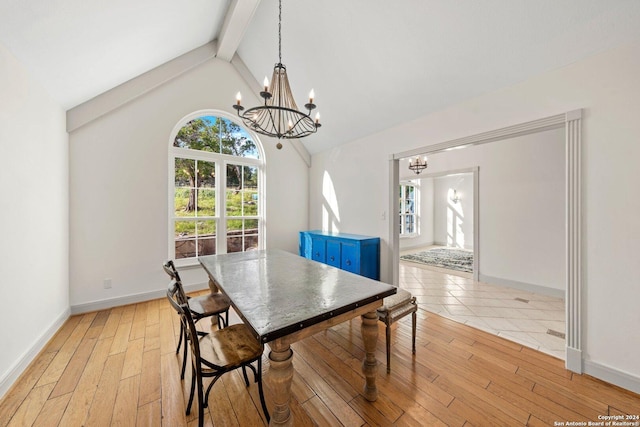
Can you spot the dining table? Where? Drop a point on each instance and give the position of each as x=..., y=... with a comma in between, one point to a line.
x=283, y=298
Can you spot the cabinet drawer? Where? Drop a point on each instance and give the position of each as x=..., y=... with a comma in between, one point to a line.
x=318, y=250
x=333, y=253
x=350, y=259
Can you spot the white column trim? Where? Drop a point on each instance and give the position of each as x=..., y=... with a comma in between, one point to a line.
x=394, y=227
x=574, y=241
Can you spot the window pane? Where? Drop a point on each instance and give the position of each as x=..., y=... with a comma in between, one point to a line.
x=234, y=190
x=206, y=232
x=242, y=235
x=409, y=228
x=206, y=202
x=207, y=246
x=235, y=235
x=250, y=203
x=185, y=242
x=184, y=194
x=206, y=184
x=199, y=134
x=250, y=189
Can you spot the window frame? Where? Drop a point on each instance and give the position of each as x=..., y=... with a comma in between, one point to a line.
x=416, y=209
x=221, y=161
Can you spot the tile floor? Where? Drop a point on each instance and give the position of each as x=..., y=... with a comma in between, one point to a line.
x=526, y=318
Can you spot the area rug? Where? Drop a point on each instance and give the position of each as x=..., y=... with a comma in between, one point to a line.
x=454, y=259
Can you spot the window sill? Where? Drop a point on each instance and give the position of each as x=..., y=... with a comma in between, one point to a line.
x=409, y=236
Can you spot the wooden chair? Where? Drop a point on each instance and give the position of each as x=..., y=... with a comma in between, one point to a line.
x=395, y=307
x=214, y=304
x=217, y=353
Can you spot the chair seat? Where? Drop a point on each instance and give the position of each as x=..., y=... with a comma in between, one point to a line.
x=398, y=312
x=230, y=347
x=208, y=305
x=401, y=297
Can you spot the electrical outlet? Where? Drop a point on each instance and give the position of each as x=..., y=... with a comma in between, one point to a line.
x=107, y=283
x=383, y=215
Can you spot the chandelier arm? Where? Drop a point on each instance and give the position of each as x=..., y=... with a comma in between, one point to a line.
x=299, y=121
x=273, y=121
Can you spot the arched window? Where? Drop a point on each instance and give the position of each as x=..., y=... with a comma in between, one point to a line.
x=215, y=188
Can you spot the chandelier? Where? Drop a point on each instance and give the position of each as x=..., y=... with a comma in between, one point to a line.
x=418, y=165
x=279, y=116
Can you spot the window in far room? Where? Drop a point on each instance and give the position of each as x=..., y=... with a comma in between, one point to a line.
x=215, y=189
x=408, y=209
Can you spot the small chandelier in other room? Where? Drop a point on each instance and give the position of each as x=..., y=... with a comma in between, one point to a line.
x=418, y=164
x=279, y=116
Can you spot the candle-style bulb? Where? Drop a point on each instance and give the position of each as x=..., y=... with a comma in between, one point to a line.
x=290, y=124
x=317, y=117
x=238, y=98
x=312, y=95
x=266, y=84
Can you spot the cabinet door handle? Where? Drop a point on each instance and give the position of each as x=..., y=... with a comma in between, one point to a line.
x=317, y=254
x=348, y=262
x=333, y=258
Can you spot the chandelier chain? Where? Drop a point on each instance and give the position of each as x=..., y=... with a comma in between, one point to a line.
x=280, y=31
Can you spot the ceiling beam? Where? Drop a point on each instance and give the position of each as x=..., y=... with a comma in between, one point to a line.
x=132, y=89
x=235, y=24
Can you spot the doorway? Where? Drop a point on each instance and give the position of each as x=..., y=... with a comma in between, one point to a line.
x=571, y=123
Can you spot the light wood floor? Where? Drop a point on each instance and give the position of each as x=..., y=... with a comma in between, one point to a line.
x=119, y=367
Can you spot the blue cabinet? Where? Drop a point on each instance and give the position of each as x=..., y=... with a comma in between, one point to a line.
x=350, y=252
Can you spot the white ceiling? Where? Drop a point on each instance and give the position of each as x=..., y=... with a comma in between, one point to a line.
x=373, y=63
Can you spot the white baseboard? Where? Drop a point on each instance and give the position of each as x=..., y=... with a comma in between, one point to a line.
x=536, y=289
x=407, y=247
x=23, y=362
x=130, y=299
x=613, y=376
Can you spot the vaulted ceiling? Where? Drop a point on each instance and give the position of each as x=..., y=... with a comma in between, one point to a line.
x=372, y=63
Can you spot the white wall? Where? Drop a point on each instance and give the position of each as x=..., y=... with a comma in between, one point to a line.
x=522, y=207
x=34, y=255
x=453, y=222
x=607, y=88
x=118, y=182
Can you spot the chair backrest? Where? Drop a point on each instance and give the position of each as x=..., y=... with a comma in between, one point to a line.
x=180, y=294
x=182, y=308
x=170, y=268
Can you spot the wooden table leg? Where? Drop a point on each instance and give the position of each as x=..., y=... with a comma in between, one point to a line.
x=214, y=290
x=369, y=331
x=280, y=379
x=213, y=287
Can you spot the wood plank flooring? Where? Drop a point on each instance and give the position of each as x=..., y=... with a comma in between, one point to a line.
x=119, y=367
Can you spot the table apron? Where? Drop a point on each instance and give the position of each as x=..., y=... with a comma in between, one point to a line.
x=325, y=324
